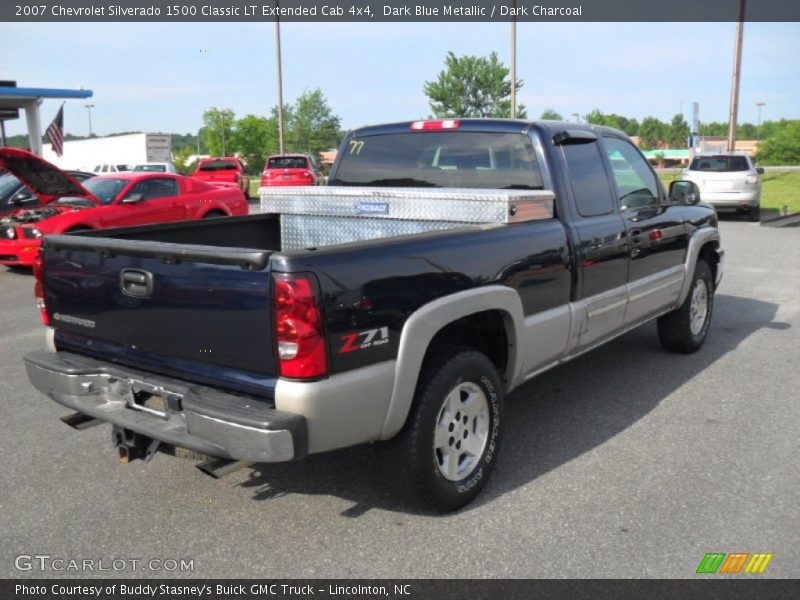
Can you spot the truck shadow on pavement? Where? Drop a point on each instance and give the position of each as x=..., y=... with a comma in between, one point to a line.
x=549, y=421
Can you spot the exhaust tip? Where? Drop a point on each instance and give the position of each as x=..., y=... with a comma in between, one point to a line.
x=220, y=467
x=80, y=421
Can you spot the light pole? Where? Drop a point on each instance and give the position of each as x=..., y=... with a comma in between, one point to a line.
x=280, y=80
x=89, y=108
x=577, y=117
x=758, y=129
x=514, y=66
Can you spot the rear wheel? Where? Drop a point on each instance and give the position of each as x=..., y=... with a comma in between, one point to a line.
x=754, y=213
x=447, y=449
x=685, y=329
x=214, y=214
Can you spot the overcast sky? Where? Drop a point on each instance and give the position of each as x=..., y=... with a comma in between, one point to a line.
x=160, y=77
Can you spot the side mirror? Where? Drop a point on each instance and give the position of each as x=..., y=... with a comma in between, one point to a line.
x=684, y=192
x=760, y=170
x=23, y=196
x=133, y=198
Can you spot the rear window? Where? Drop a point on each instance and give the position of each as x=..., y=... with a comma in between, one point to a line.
x=287, y=162
x=151, y=168
x=440, y=159
x=719, y=164
x=218, y=165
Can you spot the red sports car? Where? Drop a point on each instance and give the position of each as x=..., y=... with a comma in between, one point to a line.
x=112, y=200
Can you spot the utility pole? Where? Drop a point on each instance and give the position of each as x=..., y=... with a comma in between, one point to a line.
x=737, y=67
x=280, y=80
x=514, y=65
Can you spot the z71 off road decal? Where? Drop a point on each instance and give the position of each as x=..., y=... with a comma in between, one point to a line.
x=361, y=340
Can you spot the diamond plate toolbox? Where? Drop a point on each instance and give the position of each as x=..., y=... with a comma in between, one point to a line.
x=320, y=216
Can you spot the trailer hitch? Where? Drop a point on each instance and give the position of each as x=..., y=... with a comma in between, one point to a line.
x=132, y=446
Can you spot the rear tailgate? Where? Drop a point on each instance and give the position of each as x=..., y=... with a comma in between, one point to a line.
x=217, y=176
x=196, y=312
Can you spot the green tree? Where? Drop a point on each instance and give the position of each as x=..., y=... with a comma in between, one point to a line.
x=549, y=114
x=311, y=124
x=783, y=148
x=217, y=130
x=746, y=131
x=769, y=128
x=631, y=127
x=678, y=132
x=472, y=86
x=597, y=117
x=714, y=129
x=652, y=131
x=254, y=139
x=180, y=158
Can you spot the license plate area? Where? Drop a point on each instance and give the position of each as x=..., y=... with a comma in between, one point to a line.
x=719, y=185
x=152, y=399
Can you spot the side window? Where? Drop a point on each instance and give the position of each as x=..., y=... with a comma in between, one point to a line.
x=156, y=188
x=636, y=183
x=590, y=183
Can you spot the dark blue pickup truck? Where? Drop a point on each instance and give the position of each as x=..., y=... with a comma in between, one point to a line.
x=382, y=308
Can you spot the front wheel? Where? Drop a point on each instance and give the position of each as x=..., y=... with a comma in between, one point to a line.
x=445, y=453
x=685, y=329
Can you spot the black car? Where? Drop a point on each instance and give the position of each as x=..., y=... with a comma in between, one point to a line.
x=15, y=195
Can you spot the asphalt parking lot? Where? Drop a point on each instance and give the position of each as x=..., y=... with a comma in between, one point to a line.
x=627, y=462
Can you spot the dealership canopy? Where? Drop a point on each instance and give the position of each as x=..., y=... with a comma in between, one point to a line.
x=29, y=99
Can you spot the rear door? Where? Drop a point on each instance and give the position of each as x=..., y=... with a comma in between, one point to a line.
x=601, y=241
x=656, y=232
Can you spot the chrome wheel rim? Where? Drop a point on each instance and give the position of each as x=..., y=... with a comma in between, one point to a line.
x=698, y=310
x=462, y=431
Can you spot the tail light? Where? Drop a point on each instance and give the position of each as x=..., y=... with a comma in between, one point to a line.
x=751, y=179
x=38, y=289
x=302, y=353
x=436, y=125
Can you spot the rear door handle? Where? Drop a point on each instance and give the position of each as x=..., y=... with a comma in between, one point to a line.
x=136, y=283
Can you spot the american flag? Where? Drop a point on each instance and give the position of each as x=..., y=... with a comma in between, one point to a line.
x=55, y=132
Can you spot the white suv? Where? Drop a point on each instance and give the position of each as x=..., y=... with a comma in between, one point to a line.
x=728, y=182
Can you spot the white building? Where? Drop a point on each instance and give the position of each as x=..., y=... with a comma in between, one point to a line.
x=131, y=149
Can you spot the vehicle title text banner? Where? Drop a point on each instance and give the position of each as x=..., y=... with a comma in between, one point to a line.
x=396, y=11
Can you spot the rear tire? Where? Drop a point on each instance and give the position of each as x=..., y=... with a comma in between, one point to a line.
x=447, y=449
x=685, y=329
x=754, y=213
x=214, y=214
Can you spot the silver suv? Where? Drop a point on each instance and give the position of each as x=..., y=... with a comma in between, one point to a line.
x=728, y=182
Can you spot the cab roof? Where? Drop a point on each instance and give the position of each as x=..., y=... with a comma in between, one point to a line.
x=486, y=125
